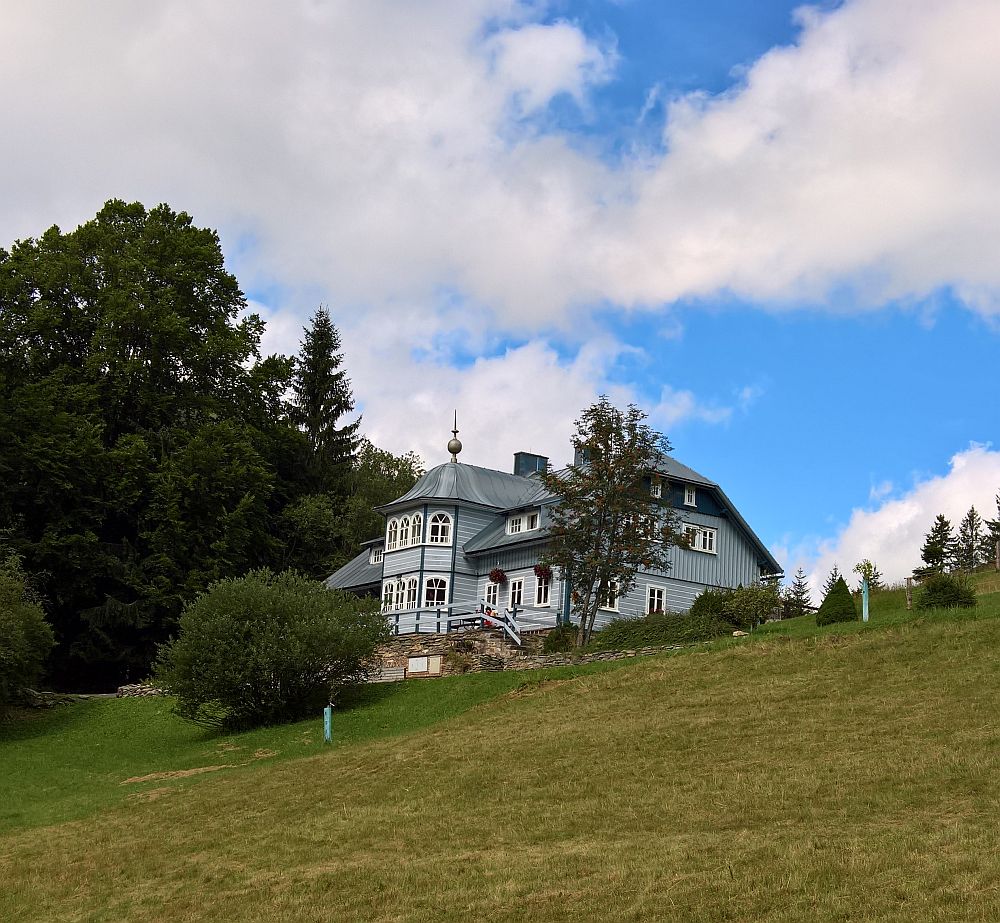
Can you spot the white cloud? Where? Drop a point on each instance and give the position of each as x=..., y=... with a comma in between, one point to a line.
x=375, y=151
x=893, y=532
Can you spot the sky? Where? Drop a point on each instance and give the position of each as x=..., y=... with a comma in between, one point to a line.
x=773, y=227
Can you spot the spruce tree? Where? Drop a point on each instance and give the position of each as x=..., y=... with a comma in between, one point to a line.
x=798, y=594
x=831, y=581
x=322, y=396
x=838, y=605
x=938, y=550
x=991, y=535
x=968, y=547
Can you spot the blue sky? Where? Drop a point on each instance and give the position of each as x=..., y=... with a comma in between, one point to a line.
x=774, y=229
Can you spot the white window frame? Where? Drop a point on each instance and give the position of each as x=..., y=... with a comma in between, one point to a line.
x=404, y=532
x=391, y=534
x=702, y=538
x=660, y=591
x=416, y=528
x=492, y=597
x=439, y=528
x=399, y=595
x=515, y=524
x=611, y=598
x=532, y=521
x=387, y=590
x=690, y=496
x=412, y=592
x=543, y=592
x=444, y=590
x=375, y=555
x=515, y=587
x=656, y=488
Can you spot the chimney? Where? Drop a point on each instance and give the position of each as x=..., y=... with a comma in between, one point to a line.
x=526, y=464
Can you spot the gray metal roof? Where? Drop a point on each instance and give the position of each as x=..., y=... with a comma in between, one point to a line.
x=469, y=483
x=674, y=469
x=355, y=574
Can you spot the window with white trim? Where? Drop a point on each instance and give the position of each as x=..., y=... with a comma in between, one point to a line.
x=404, y=531
x=542, y=585
x=655, y=599
x=516, y=592
x=700, y=538
x=391, y=534
x=416, y=526
x=610, y=599
x=399, y=594
x=387, y=595
x=411, y=593
x=656, y=488
x=375, y=555
x=522, y=522
x=440, y=529
x=435, y=591
x=690, y=498
x=492, y=595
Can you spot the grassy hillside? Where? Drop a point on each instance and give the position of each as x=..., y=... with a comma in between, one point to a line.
x=849, y=775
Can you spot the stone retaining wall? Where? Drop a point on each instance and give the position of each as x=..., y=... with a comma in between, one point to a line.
x=138, y=689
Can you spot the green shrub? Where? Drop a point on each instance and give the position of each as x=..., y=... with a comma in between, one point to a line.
x=267, y=648
x=25, y=637
x=742, y=609
x=560, y=639
x=838, y=605
x=945, y=591
x=657, y=628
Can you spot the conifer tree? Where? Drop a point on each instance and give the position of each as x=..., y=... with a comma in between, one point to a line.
x=831, y=581
x=938, y=550
x=991, y=535
x=798, y=594
x=322, y=395
x=968, y=547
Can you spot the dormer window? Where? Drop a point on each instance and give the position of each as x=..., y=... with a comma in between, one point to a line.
x=375, y=556
x=522, y=522
x=689, y=497
x=656, y=488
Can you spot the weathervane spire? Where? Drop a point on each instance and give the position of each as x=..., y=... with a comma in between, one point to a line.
x=455, y=444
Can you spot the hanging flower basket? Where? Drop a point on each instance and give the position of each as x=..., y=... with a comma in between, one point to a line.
x=497, y=576
x=543, y=572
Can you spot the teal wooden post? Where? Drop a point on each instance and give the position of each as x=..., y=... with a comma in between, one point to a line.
x=328, y=724
x=864, y=600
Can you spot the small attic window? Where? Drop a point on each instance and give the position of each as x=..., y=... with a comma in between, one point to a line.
x=375, y=556
x=689, y=497
x=656, y=488
x=522, y=522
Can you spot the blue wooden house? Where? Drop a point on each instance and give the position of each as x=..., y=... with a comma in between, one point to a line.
x=431, y=568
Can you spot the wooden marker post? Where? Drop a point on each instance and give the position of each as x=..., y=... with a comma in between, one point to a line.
x=328, y=724
x=864, y=600
x=909, y=593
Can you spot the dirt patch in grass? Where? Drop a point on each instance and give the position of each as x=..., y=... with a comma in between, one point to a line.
x=151, y=795
x=175, y=774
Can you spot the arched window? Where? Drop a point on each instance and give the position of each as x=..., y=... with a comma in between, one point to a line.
x=404, y=531
x=399, y=590
x=435, y=591
x=387, y=595
x=411, y=593
x=416, y=524
x=391, y=533
x=440, y=529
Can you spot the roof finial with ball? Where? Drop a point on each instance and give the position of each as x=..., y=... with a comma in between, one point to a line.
x=455, y=444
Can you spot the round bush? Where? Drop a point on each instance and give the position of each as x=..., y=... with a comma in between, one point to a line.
x=25, y=637
x=267, y=648
x=838, y=605
x=945, y=591
x=560, y=640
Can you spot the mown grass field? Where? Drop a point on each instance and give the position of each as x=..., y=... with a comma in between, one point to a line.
x=851, y=773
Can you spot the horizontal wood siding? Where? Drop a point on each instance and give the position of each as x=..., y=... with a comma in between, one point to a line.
x=437, y=558
x=404, y=561
x=734, y=564
x=466, y=590
x=470, y=523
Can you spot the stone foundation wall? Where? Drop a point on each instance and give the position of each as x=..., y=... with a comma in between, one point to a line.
x=478, y=651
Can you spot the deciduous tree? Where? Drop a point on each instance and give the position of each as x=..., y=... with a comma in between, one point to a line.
x=606, y=525
x=868, y=570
